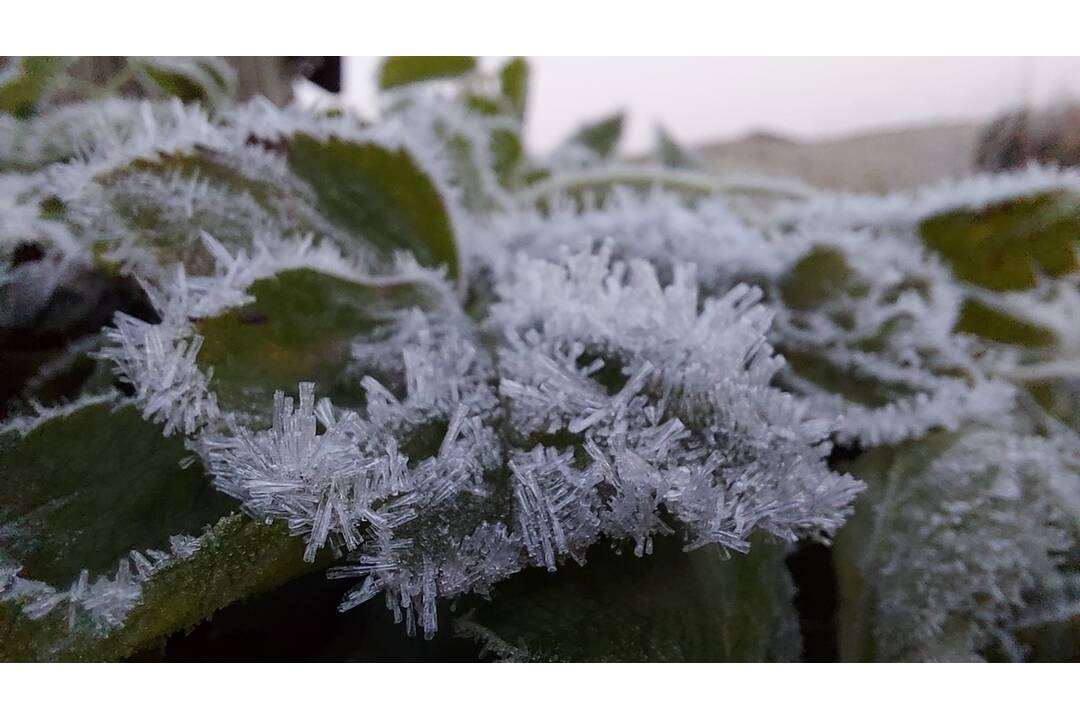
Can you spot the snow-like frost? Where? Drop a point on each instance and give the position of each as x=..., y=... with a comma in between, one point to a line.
x=959, y=549
x=695, y=425
x=623, y=385
x=695, y=429
x=106, y=600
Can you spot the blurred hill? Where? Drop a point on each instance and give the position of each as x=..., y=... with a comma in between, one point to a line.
x=871, y=162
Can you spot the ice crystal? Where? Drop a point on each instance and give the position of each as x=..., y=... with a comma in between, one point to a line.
x=104, y=601
x=23, y=424
x=658, y=226
x=21, y=219
x=159, y=361
x=902, y=210
x=693, y=423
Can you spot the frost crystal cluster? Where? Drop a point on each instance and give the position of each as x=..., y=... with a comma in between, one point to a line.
x=439, y=361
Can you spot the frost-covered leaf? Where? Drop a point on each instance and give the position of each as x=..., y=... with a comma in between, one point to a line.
x=507, y=155
x=151, y=213
x=671, y=606
x=822, y=274
x=105, y=539
x=24, y=80
x=1008, y=245
x=514, y=82
x=671, y=154
x=1012, y=252
x=955, y=537
x=601, y=137
x=380, y=194
x=206, y=80
x=978, y=318
x=300, y=327
x=867, y=328
x=81, y=490
x=236, y=558
x=1058, y=396
x=405, y=70
x=429, y=499
x=52, y=377
x=469, y=157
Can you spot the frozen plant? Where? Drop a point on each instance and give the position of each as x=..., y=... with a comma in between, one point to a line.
x=475, y=383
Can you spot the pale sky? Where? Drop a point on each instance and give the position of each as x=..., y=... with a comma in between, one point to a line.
x=716, y=98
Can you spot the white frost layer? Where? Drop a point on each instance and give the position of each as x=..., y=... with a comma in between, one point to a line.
x=105, y=601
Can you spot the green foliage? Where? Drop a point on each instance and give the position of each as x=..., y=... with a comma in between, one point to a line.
x=980, y=319
x=19, y=96
x=237, y=558
x=507, y=156
x=197, y=81
x=671, y=154
x=823, y=274
x=514, y=82
x=80, y=491
x=299, y=328
x=1005, y=246
x=405, y=70
x=601, y=137
x=470, y=177
x=859, y=545
x=172, y=231
x=932, y=564
x=41, y=83
x=380, y=195
x=953, y=531
x=671, y=606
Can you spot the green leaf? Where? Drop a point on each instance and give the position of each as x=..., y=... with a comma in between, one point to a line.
x=139, y=204
x=957, y=537
x=602, y=137
x=671, y=154
x=980, y=319
x=482, y=105
x=299, y=328
x=1005, y=246
x=469, y=176
x=1060, y=397
x=191, y=81
x=19, y=97
x=52, y=377
x=822, y=282
x=405, y=70
x=508, y=157
x=379, y=194
x=858, y=545
x=668, y=606
x=514, y=81
x=821, y=275
x=845, y=381
x=82, y=490
x=238, y=557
